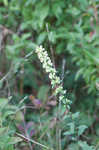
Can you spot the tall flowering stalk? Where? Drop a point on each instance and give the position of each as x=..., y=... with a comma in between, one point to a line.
x=55, y=80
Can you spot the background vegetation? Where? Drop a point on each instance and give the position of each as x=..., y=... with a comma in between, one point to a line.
x=69, y=31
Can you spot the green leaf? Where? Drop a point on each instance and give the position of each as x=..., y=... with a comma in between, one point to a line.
x=41, y=37
x=3, y=103
x=25, y=36
x=7, y=113
x=42, y=12
x=71, y=130
x=52, y=37
x=79, y=72
x=73, y=146
x=14, y=140
x=74, y=11
x=2, y=130
x=67, y=133
x=85, y=119
x=43, y=91
x=75, y=115
x=81, y=129
x=85, y=146
x=19, y=116
x=91, y=57
x=5, y=2
x=57, y=9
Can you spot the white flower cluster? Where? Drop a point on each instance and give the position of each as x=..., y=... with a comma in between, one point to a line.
x=55, y=80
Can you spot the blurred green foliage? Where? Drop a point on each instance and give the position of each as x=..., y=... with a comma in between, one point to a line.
x=69, y=29
x=7, y=129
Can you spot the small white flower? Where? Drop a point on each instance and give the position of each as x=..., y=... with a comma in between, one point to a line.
x=58, y=90
x=39, y=55
x=45, y=54
x=61, y=97
x=67, y=100
x=44, y=65
x=47, y=69
x=53, y=70
x=49, y=62
x=51, y=76
x=64, y=92
x=53, y=83
x=55, y=80
x=41, y=60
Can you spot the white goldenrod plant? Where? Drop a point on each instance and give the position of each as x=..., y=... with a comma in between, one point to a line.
x=55, y=80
